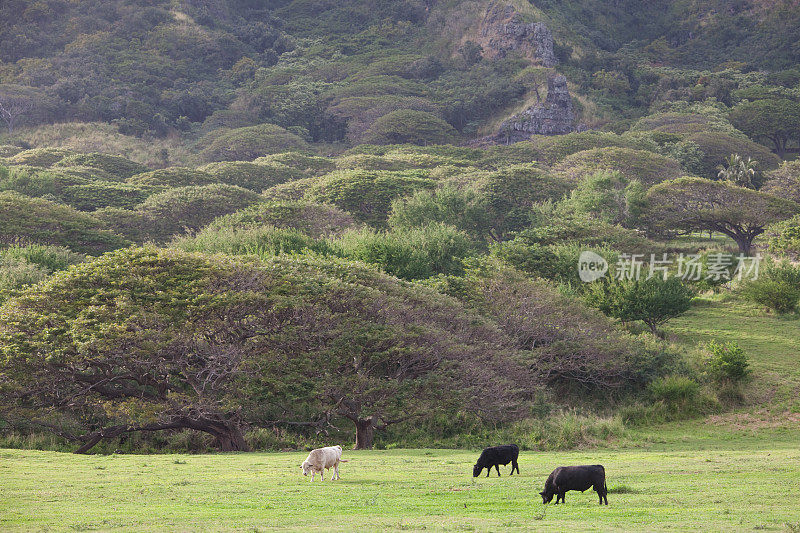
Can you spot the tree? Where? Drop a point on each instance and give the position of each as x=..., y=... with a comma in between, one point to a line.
x=147, y=339
x=654, y=301
x=739, y=171
x=409, y=126
x=608, y=196
x=36, y=220
x=777, y=120
x=691, y=204
x=15, y=102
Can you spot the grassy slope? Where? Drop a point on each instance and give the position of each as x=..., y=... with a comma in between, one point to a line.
x=737, y=471
x=771, y=342
x=399, y=489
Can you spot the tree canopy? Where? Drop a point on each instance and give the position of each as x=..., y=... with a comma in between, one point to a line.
x=693, y=204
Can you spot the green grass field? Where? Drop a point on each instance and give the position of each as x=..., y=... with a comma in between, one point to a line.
x=731, y=472
x=719, y=490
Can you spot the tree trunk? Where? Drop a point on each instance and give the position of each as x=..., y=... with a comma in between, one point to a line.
x=365, y=434
x=91, y=443
x=745, y=243
x=231, y=441
x=228, y=436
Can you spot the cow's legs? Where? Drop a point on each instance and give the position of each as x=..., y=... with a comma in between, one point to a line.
x=488, y=471
x=497, y=467
x=335, y=471
x=514, y=465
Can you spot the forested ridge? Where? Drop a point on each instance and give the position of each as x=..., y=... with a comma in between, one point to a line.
x=261, y=224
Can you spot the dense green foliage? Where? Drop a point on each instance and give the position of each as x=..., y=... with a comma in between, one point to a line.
x=341, y=236
x=654, y=301
x=33, y=220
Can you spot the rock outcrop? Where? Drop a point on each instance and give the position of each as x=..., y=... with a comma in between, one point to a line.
x=503, y=31
x=555, y=116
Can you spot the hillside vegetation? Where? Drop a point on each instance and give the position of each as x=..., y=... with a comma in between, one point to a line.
x=242, y=225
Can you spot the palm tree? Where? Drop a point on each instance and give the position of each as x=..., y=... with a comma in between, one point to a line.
x=738, y=170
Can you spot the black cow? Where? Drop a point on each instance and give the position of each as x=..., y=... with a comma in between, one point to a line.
x=496, y=456
x=566, y=478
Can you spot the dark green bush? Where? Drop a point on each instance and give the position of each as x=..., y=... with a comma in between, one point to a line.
x=118, y=167
x=409, y=126
x=253, y=176
x=727, y=362
x=34, y=220
x=172, y=177
x=410, y=254
x=654, y=301
x=777, y=287
x=367, y=195
x=315, y=220
x=246, y=144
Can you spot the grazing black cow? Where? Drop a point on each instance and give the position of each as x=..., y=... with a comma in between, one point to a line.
x=565, y=478
x=496, y=456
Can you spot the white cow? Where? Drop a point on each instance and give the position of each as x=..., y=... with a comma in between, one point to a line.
x=320, y=459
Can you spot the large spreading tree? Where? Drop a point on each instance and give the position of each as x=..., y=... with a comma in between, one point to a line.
x=149, y=340
x=693, y=204
x=776, y=120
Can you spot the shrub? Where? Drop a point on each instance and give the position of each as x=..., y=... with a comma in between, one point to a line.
x=654, y=301
x=7, y=150
x=784, y=237
x=253, y=176
x=784, y=181
x=309, y=165
x=117, y=167
x=463, y=208
x=367, y=195
x=777, y=287
x=23, y=265
x=246, y=144
x=716, y=147
x=727, y=362
x=410, y=254
x=191, y=208
x=99, y=194
x=678, y=392
x=409, y=126
x=610, y=197
x=16, y=274
x=511, y=192
x=35, y=220
x=646, y=167
x=172, y=177
x=50, y=258
x=39, y=157
x=263, y=241
x=315, y=220
x=78, y=192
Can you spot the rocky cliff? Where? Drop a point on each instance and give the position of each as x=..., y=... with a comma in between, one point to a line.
x=555, y=116
x=502, y=31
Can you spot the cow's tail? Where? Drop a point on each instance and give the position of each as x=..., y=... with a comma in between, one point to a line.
x=344, y=460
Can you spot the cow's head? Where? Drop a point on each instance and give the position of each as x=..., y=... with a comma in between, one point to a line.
x=546, y=498
x=476, y=470
x=306, y=468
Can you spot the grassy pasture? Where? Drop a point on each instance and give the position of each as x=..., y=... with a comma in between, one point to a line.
x=771, y=342
x=716, y=490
